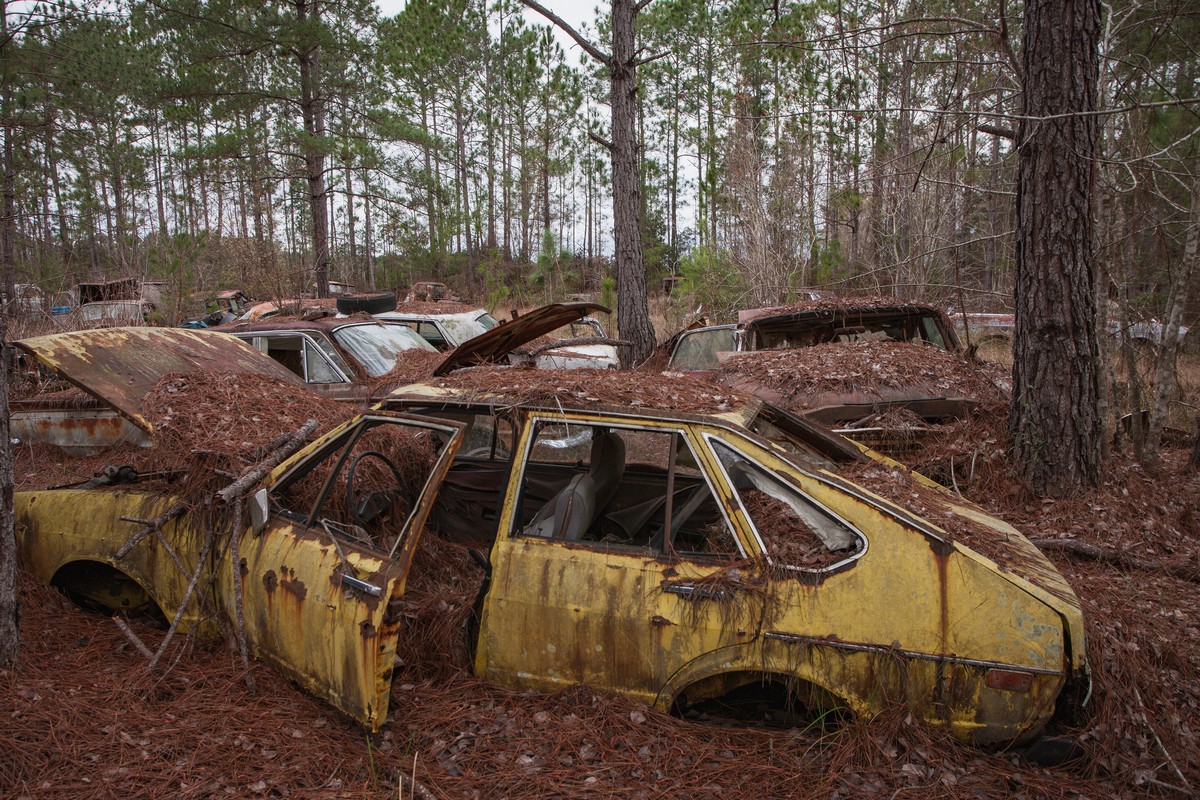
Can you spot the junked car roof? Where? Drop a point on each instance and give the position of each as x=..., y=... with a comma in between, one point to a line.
x=506, y=337
x=834, y=305
x=119, y=366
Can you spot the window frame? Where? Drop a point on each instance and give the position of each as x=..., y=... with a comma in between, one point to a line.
x=702, y=457
x=746, y=449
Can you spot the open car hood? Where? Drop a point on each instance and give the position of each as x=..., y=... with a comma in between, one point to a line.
x=119, y=366
x=508, y=336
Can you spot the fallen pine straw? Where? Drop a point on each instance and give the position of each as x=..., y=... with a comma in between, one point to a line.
x=87, y=721
x=412, y=366
x=799, y=377
x=434, y=307
x=594, y=387
x=849, y=305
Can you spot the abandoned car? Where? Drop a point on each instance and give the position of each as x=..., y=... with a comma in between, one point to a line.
x=344, y=358
x=867, y=367
x=673, y=556
x=448, y=326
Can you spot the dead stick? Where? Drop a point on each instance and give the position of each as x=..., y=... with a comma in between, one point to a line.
x=1080, y=549
x=260, y=470
x=1161, y=746
x=149, y=527
x=187, y=596
x=239, y=614
x=132, y=637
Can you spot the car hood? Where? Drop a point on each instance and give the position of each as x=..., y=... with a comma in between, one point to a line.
x=508, y=336
x=119, y=366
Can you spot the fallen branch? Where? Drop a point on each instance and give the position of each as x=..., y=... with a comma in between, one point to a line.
x=1187, y=787
x=187, y=597
x=235, y=558
x=133, y=638
x=1074, y=547
x=149, y=526
x=259, y=471
x=229, y=494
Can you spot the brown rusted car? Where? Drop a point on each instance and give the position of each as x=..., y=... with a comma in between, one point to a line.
x=343, y=358
x=864, y=366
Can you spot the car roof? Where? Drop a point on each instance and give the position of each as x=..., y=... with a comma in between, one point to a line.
x=834, y=305
x=292, y=323
x=119, y=366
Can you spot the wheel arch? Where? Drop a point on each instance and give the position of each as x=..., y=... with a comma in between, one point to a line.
x=102, y=583
x=722, y=671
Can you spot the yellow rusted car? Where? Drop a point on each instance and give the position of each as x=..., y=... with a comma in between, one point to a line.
x=679, y=558
x=713, y=553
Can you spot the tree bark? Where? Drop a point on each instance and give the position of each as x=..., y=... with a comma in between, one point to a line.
x=633, y=314
x=1054, y=419
x=8, y=543
x=312, y=109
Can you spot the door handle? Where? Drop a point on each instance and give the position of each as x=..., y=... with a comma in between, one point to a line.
x=695, y=592
x=362, y=586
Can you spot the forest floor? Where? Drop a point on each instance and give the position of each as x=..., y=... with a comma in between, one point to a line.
x=84, y=718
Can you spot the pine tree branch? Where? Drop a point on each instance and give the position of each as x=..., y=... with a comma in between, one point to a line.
x=590, y=48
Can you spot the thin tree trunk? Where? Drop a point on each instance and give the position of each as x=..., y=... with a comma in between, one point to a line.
x=9, y=611
x=1168, y=346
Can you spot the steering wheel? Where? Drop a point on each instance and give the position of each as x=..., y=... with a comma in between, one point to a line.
x=375, y=502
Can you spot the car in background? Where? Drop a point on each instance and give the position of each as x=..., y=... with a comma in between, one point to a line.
x=445, y=325
x=871, y=368
x=112, y=314
x=448, y=326
x=339, y=357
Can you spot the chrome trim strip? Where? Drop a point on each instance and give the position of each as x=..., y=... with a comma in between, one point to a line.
x=791, y=638
x=362, y=586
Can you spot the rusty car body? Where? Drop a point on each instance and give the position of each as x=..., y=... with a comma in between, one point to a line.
x=839, y=323
x=104, y=362
x=633, y=549
x=321, y=600
x=671, y=556
x=336, y=356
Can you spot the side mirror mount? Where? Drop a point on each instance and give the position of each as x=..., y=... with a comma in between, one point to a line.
x=260, y=510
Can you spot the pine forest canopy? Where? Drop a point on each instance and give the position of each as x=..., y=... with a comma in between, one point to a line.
x=213, y=143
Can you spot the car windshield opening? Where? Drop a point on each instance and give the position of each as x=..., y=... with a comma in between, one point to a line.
x=375, y=347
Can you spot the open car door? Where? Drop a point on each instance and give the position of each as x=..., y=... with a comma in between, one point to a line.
x=324, y=577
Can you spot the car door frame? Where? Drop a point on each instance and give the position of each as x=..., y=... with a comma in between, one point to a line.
x=324, y=611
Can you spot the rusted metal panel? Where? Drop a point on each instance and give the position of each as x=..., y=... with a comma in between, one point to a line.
x=503, y=339
x=911, y=616
x=76, y=432
x=120, y=365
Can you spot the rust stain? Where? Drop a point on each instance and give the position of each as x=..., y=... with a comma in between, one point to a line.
x=292, y=584
x=270, y=580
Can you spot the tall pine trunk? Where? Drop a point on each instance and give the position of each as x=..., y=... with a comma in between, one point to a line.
x=1054, y=419
x=8, y=543
x=633, y=316
x=313, y=111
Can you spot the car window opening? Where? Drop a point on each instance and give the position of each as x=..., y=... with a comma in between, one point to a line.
x=614, y=488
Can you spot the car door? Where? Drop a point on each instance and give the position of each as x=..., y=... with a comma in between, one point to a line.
x=321, y=588
x=657, y=579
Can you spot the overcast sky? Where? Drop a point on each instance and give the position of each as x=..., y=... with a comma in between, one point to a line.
x=574, y=12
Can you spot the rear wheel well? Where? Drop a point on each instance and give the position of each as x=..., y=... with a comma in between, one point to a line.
x=97, y=586
x=765, y=698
